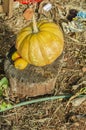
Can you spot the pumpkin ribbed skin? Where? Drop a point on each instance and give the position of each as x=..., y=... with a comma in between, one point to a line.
x=43, y=47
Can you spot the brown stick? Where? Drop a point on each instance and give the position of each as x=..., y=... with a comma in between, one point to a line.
x=8, y=7
x=1, y=9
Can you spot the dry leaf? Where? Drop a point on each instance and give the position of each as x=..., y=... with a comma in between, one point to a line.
x=28, y=14
x=84, y=69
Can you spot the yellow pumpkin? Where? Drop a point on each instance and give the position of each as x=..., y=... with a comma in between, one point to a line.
x=40, y=45
x=15, y=56
x=20, y=63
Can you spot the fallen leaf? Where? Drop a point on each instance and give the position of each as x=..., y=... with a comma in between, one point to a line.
x=84, y=69
x=28, y=13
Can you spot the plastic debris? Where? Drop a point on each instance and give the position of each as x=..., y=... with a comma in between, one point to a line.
x=47, y=7
x=76, y=21
x=81, y=14
x=28, y=1
x=74, y=26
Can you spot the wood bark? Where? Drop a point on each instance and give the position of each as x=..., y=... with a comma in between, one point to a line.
x=32, y=81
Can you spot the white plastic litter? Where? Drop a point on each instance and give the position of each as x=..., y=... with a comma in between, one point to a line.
x=47, y=7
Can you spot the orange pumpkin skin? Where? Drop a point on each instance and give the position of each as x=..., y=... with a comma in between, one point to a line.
x=43, y=47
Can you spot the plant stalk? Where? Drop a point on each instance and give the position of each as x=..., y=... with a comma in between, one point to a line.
x=35, y=29
x=39, y=100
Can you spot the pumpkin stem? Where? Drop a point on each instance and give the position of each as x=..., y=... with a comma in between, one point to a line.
x=35, y=29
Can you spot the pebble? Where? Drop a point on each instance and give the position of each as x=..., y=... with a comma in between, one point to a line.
x=77, y=101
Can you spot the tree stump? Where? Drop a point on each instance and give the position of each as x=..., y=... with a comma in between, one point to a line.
x=32, y=81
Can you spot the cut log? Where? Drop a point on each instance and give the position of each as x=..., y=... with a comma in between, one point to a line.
x=32, y=81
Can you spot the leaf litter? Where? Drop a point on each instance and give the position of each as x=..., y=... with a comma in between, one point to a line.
x=71, y=78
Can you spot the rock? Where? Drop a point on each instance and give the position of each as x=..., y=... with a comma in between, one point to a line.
x=77, y=101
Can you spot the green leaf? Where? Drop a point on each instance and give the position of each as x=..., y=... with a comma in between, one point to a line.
x=4, y=82
x=9, y=105
x=3, y=106
x=3, y=85
x=1, y=92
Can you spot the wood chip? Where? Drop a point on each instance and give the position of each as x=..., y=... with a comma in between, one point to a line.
x=28, y=14
x=8, y=7
x=78, y=101
x=84, y=69
x=1, y=9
